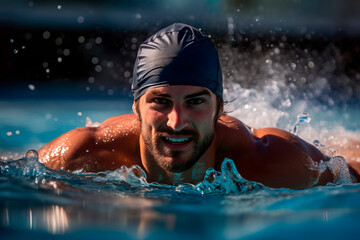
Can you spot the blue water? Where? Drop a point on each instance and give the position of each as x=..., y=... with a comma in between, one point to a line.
x=41, y=203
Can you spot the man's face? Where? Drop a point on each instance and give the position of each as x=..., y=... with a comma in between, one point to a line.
x=177, y=124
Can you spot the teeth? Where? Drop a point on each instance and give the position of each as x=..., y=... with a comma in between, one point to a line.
x=176, y=140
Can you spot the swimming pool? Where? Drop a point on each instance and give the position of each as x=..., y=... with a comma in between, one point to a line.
x=36, y=202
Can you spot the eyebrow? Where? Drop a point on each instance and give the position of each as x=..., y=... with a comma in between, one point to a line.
x=196, y=94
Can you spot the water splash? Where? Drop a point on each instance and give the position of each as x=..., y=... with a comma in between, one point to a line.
x=227, y=181
x=301, y=118
x=324, y=148
x=339, y=168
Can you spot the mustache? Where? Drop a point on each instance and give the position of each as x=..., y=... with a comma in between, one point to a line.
x=171, y=131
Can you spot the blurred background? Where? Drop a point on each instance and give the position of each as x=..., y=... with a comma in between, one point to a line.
x=51, y=46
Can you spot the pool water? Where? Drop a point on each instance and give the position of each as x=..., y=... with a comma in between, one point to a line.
x=37, y=202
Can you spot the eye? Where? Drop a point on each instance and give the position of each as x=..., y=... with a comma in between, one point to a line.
x=161, y=100
x=195, y=101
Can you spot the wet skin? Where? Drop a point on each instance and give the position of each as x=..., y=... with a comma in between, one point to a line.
x=175, y=135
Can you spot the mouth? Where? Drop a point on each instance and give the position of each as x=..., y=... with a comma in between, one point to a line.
x=177, y=142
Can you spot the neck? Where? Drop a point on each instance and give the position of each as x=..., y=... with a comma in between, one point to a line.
x=194, y=175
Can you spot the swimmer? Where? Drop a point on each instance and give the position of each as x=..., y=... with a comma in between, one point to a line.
x=179, y=129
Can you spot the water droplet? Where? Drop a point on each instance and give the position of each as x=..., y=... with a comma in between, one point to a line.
x=11, y=40
x=138, y=16
x=110, y=92
x=59, y=59
x=47, y=70
x=80, y=19
x=31, y=4
x=95, y=60
x=81, y=39
x=23, y=47
x=79, y=113
x=66, y=52
x=59, y=7
x=98, y=68
x=32, y=155
x=46, y=35
x=91, y=79
x=45, y=64
x=98, y=40
x=48, y=116
x=127, y=74
x=9, y=134
x=58, y=41
x=31, y=87
x=16, y=51
x=301, y=118
x=17, y=132
x=311, y=64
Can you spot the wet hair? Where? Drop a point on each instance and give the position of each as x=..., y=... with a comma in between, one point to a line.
x=177, y=55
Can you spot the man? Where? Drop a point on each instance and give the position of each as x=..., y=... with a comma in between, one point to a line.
x=178, y=129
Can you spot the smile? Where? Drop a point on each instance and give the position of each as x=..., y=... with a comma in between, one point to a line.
x=177, y=140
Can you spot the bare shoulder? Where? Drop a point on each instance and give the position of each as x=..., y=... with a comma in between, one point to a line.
x=105, y=147
x=272, y=156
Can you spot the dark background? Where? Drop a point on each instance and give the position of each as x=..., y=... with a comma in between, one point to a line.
x=86, y=49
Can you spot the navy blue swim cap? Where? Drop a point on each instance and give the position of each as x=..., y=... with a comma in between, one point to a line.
x=177, y=55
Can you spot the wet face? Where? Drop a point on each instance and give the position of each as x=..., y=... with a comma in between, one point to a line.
x=177, y=124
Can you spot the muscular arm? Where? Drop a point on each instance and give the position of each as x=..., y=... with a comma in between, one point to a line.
x=95, y=149
x=271, y=156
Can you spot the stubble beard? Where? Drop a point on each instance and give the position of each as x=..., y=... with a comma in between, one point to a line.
x=161, y=155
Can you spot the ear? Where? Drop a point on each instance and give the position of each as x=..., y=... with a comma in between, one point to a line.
x=135, y=111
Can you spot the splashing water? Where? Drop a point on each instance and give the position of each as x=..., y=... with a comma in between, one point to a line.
x=301, y=118
x=324, y=148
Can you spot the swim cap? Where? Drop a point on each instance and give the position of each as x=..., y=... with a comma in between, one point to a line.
x=177, y=55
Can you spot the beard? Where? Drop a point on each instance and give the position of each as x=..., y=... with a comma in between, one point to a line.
x=162, y=154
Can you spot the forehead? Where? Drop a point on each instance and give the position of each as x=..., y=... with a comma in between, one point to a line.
x=179, y=91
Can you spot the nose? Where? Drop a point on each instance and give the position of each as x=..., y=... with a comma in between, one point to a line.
x=177, y=119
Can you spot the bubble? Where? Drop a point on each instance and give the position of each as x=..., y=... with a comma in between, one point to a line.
x=31, y=4
x=88, y=46
x=23, y=47
x=58, y=41
x=110, y=92
x=81, y=39
x=46, y=35
x=45, y=64
x=66, y=52
x=277, y=51
x=293, y=66
x=134, y=40
x=127, y=74
x=59, y=7
x=87, y=88
x=98, y=40
x=98, y=68
x=79, y=114
x=91, y=79
x=59, y=59
x=137, y=16
x=110, y=64
x=95, y=60
x=31, y=87
x=9, y=134
x=80, y=19
x=268, y=61
x=17, y=132
x=48, y=116
x=311, y=64
x=47, y=70
x=11, y=40
x=16, y=51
